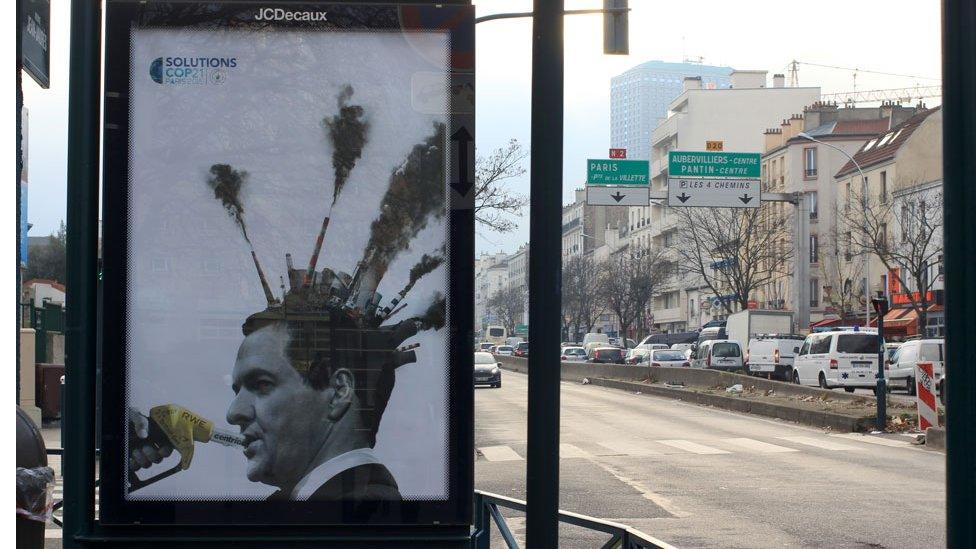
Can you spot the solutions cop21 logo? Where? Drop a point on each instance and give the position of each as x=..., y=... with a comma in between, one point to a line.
x=191, y=70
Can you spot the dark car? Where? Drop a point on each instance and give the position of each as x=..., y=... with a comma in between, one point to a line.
x=486, y=370
x=607, y=355
x=522, y=349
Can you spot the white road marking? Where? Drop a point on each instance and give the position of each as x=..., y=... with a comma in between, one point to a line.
x=692, y=447
x=874, y=440
x=654, y=497
x=758, y=446
x=823, y=443
x=570, y=451
x=499, y=453
x=629, y=447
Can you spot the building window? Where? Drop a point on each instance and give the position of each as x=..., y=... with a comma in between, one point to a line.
x=814, y=292
x=883, y=191
x=810, y=162
x=814, y=249
x=814, y=208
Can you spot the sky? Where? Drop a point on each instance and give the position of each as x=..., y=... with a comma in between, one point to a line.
x=896, y=36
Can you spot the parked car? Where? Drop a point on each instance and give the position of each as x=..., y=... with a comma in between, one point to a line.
x=841, y=358
x=607, y=355
x=504, y=350
x=522, y=349
x=900, y=368
x=485, y=346
x=671, y=339
x=593, y=340
x=772, y=355
x=637, y=355
x=718, y=354
x=669, y=358
x=486, y=370
x=572, y=354
x=890, y=349
x=682, y=346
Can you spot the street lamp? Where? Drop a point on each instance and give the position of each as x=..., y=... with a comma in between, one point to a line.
x=867, y=256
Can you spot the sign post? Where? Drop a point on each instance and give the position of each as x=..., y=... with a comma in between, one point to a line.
x=880, y=305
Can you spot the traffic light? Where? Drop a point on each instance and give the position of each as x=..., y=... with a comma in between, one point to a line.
x=880, y=304
x=615, y=24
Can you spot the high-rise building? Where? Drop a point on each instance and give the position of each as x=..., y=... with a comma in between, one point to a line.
x=639, y=100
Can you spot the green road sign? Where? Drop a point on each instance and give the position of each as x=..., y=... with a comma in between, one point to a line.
x=521, y=329
x=617, y=172
x=713, y=164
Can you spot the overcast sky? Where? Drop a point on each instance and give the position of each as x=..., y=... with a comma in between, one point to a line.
x=897, y=36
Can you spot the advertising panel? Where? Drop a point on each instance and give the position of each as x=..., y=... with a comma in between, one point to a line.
x=288, y=250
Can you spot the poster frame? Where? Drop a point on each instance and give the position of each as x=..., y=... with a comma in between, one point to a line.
x=456, y=18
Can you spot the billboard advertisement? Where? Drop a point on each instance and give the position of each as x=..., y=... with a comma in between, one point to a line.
x=287, y=259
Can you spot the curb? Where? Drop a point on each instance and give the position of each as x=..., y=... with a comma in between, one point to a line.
x=815, y=418
x=935, y=438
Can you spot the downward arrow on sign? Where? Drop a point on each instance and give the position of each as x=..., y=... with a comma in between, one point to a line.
x=745, y=198
x=618, y=197
x=683, y=197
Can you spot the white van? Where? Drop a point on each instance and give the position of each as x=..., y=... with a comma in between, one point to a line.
x=900, y=368
x=772, y=355
x=843, y=358
x=718, y=354
x=593, y=340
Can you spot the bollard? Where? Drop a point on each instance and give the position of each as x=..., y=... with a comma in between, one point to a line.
x=30, y=453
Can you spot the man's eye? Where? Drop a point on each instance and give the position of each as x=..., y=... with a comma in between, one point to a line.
x=263, y=386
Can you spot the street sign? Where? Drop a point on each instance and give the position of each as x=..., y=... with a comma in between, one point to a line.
x=713, y=164
x=599, y=195
x=521, y=329
x=715, y=145
x=35, y=42
x=617, y=172
x=618, y=153
x=714, y=193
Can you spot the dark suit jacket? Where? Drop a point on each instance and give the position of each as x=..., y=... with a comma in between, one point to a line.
x=369, y=482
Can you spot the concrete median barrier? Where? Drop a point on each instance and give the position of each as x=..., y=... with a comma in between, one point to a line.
x=812, y=406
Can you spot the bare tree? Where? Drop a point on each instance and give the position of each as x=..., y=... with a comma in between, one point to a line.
x=493, y=200
x=840, y=276
x=904, y=230
x=734, y=250
x=508, y=304
x=581, y=304
x=629, y=279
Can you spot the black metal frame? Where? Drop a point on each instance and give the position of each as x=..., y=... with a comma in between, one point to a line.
x=487, y=512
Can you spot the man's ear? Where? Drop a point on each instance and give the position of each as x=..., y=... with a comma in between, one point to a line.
x=344, y=385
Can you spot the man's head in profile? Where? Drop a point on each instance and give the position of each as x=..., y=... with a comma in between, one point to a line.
x=310, y=393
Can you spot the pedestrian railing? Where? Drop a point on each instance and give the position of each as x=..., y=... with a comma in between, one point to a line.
x=487, y=506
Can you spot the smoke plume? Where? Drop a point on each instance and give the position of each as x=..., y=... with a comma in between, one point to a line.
x=226, y=183
x=426, y=264
x=347, y=131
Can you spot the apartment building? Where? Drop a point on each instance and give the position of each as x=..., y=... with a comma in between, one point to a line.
x=793, y=163
x=490, y=276
x=584, y=225
x=736, y=116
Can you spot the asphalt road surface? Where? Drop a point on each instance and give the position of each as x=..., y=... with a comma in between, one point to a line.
x=700, y=477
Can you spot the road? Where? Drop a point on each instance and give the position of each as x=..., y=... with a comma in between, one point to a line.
x=700, y=477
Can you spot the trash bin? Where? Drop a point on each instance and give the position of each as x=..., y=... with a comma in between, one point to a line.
x=35, y=482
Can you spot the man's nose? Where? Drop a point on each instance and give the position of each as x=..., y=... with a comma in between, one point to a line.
x=240, y=411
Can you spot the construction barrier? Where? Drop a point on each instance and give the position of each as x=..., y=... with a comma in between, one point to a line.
x=928, y=412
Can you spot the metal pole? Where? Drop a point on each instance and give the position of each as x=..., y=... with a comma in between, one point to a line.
x=880, y=391
x=545, y=266
x=801, y=273
x=959, y=142
x=82, y=245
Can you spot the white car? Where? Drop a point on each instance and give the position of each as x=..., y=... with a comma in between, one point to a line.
x=900, y=368
x=843, y=358
x=669, y=358
x=572, y=354
x=504, y=350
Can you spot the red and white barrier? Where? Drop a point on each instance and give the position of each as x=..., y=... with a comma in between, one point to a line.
x=928, y=412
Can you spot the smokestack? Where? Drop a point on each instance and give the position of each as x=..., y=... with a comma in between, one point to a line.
x=264, y=281
x=779, y=80
x=315, y=253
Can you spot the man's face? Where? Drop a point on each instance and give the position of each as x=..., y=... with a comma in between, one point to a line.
x=283, y=419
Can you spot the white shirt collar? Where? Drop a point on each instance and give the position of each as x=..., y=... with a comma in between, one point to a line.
x=325, y=471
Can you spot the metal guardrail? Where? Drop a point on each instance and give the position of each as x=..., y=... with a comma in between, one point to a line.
x=486, y=506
